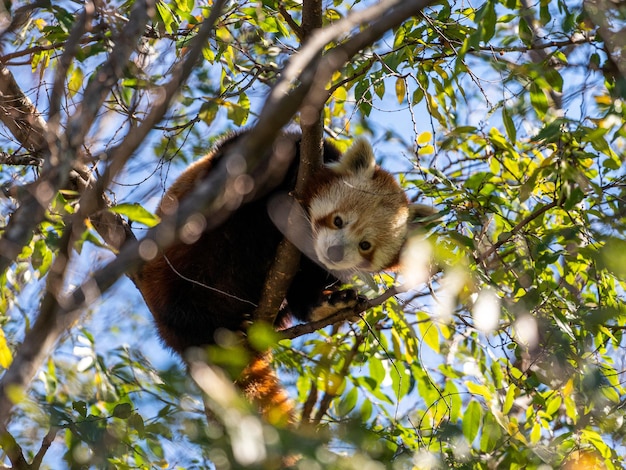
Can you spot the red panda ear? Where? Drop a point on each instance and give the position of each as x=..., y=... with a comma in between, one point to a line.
x=417, y=212
x=358, y=159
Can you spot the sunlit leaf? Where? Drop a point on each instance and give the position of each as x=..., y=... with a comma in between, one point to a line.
x=136, y=213
x=539, y=100
x=471, y=420
x=6, y=357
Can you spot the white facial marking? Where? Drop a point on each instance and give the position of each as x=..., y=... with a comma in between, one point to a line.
x=336, y=250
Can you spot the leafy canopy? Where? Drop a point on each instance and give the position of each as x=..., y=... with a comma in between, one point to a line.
x=507, y=116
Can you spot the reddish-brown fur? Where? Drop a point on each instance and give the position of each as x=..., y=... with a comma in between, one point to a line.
x=194, y=290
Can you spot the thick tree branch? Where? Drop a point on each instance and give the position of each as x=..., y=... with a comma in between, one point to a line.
x=19, y=114
x=599, y=12
x=313, y=80
x=339, y=317
x=287, y=256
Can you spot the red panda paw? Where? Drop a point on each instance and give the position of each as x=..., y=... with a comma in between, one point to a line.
x=334, y=301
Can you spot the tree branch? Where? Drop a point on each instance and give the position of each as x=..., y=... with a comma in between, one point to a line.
x=287, y=256
x=615, y=41
x=537, y=213
x=19, y=114
x=347, y=314
x=20, y=160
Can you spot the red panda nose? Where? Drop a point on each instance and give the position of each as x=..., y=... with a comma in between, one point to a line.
x=335, y=253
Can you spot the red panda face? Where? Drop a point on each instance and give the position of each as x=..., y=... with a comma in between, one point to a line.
x=359, y=218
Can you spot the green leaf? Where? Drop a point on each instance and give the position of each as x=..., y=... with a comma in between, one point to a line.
x=471, y=420
x=509, y=126
x=238, y=113
x=539, y=100
x=136, y=213
x=400, y=89
x=136, y=422
x=41, y=257
x=348, y=402
x=491, y=433
x=377, y=370
x=379, y=88
x=554, y=78
x=122, y=410
x=399, y=39
x=511, y=393
x=80, y=407
x=554, y=404
x=208, y=111
x=486, y=19
x=525, y=32
x=167, y=17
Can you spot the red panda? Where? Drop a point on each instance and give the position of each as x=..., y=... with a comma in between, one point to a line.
x=359, y=217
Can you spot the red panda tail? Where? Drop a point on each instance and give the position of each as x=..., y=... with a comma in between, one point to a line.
x=261, y=386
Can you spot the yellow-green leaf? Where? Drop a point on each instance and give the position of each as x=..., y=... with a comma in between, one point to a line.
x=427, y=150
x=6, y=358
x=471, y=421
x=75, y=81
x=208, y=111
x=553, y=404
x=509, y=125
x=429, y=331
x=510, y=397
x=539, y=100
x=400, y=89
x=424, y=138
x=535, y=433
x=478, y=389
x=136, y=213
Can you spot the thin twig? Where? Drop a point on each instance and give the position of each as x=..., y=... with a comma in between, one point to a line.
x=20, y=160
x=537, y=213
x=339, y=317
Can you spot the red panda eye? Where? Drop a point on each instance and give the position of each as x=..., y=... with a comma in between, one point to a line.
x=365, y=245
x=338, y=221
